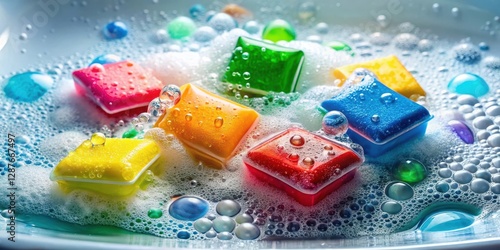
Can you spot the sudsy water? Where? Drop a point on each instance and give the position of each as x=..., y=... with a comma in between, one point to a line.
x=192, y=201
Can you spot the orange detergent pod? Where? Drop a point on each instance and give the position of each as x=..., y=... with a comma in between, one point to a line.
x=390, y=71
x=209, y=126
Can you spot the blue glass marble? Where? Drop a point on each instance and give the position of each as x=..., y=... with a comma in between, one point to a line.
x=183, y=235
x=28, y=86
x=446, y=221
x=468, y=83
x=379, y=118
x=189, y=208
x=105, y=59
x=115, y=30
x=196, y=11
x=462, y=131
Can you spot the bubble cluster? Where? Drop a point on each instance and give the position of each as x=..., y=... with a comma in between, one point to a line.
x=224, y=225
x=467, y=53
x=406, y=41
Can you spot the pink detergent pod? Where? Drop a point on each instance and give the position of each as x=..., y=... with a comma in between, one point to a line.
x=305, y=165
x=117, y=87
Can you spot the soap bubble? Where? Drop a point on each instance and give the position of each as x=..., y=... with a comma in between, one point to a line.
x=358, y=75
x=160, y=36
x=222, y=22
x=406, y=41
x=467, y=53
x=204, y=34
x=252, y=27
x=170, y=93
x=307, y=11
x=156, y=107
x=144, y=117
x=322, y=28
x=335, y=123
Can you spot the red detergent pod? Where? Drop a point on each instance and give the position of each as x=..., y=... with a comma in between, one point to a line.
x=305, y=165
x=117, y=87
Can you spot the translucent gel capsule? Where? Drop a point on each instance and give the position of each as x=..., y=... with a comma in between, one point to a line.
x=340, y=46
x=307, y=173
x=112, y=166
x=403, y=82
x=278, y=30
x=181, y=27
x=468, y=83
x=104, y=84
x=28, y=87
x=410, y=171
x=203, y=121
x=189, y=208
x=383, y=120
x=236, y=11
x=444, y=221
x=263, y=67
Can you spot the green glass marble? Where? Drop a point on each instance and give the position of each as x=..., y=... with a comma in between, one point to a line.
x=257, y=67
x=181, y=27
x=410, y=171
x=340, y=46
x=155, y=213
x=278, y=30
x=130, y=133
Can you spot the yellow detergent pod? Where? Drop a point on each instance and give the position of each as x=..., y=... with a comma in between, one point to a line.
x=209, y=126
x=116, y=166
x=390, y=72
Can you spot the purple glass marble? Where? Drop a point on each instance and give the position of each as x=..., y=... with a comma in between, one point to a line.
x=462, y=131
